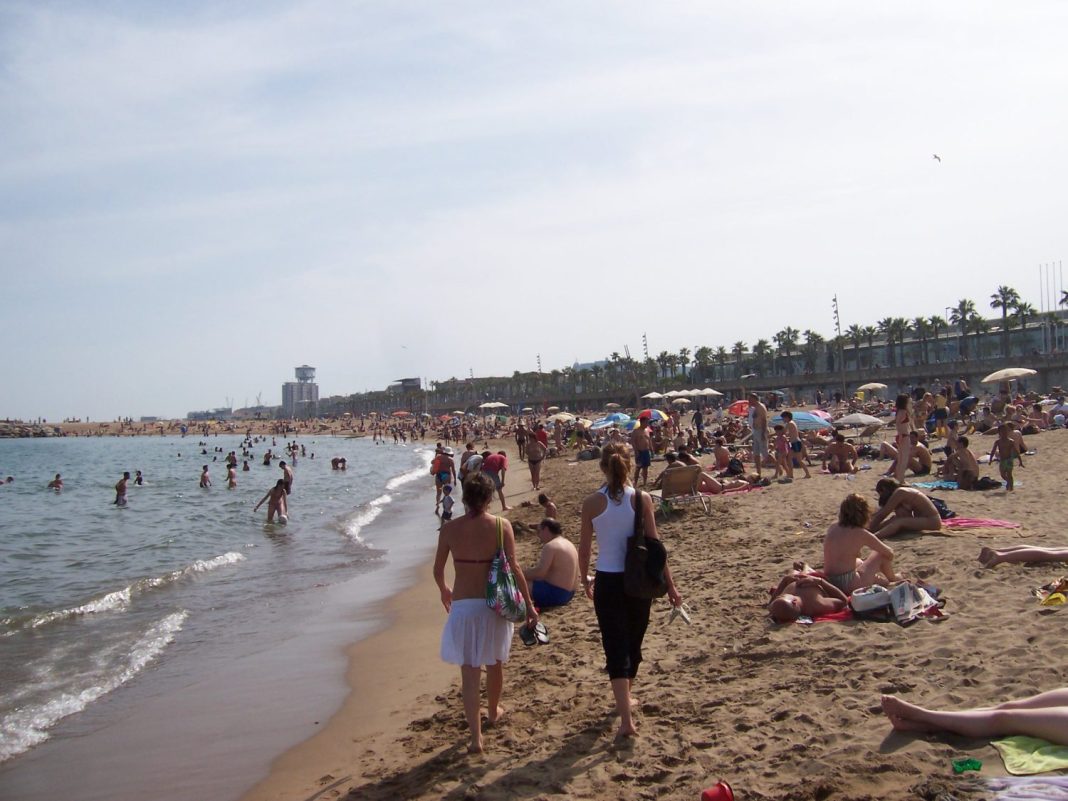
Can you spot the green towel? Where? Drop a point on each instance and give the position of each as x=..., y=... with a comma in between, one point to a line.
x=1027, y=755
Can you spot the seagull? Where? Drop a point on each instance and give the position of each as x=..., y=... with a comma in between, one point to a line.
x=937, y=158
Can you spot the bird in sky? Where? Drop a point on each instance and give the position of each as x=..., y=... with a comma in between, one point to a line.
x=937, y=158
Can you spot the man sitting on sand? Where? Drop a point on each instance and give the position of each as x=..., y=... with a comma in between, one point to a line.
x=804, y=594
x=966, y=465
x=901, y=509
x=919, y=456
x=840, y=456
x=843, y=544
x=553, y=580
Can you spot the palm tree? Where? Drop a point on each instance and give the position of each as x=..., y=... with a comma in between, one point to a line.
x=1021, y=313
x=813, y=342
x=869, y=334
x=664, y=360
x=921, y=327
x=937, y=324
x=761, y=350
x=1005, y=298
x=979, y=327
x=721, y=360
x=1064, y=298
x=596, y=371
x=738, y=349
x=855, y=333
x=683, y=360
x=887, y=329
x=702, y=359
x=962, y=316
x=787, y=342
x=901, y=328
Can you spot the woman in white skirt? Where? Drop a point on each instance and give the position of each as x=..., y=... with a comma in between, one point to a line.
x=475, y=636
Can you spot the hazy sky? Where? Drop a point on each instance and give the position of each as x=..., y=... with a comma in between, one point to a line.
x=197, y=197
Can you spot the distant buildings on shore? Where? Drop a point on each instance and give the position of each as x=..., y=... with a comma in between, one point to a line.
x=300, y=398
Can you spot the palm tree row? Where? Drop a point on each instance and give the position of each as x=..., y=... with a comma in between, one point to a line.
x=785, y=353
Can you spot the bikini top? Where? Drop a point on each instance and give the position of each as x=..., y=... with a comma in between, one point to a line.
x=483, y=561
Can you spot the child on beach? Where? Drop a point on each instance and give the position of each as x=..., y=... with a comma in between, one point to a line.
x=548, y=506
x=1007, y=450
x=447, y=502
x=783, y=460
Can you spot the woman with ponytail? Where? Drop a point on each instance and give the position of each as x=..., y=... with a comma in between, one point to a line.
x=609, y=514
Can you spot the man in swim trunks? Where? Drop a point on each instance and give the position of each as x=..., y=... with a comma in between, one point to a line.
x=553, y=580
x=495, y=465
x=643, y=450
x=920, y=458
x=56, y=483
x=444, y=470
x=967, y=466
x=287, y=477
x=205, y=479
x=843, y=544
x=840, y=456
x=758, y=422
x=521, y=435
x=793, y=436
x=120, y=490
x=1008, y=449
x=276, y=496
x=901, y=509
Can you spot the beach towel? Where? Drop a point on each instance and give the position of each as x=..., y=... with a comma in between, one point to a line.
x=1025, y=756
x=832, y=617
x=940, y=484
x=746, y=488
x=1041, y=788
x=977, y=522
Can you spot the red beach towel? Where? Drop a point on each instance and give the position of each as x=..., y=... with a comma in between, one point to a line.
x=977, y=522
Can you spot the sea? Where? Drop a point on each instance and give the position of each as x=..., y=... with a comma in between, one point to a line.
x=170, y=648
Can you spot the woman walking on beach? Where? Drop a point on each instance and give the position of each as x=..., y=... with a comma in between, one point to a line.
x=475, y=636
x=609, y=514
x=903, y=427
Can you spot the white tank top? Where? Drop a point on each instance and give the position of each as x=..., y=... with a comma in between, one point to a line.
x=613, y=527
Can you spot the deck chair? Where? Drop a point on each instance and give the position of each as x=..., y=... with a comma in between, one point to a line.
x=678, y=487
x=868, y=434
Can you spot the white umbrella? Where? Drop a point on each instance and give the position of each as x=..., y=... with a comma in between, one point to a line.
x=611, y=406
x=553, y=409
x=1008, y=374
x=708, y=391
x=673, y=394
x=858, y=419
x=874, y=386
x=653, y=395
x=526, y=409
x=562, y=417
x=681, y=401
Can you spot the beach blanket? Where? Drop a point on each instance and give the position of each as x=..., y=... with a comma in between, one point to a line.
x=939, y=484
x=1025, y=756
x=833, y=617
x=1042, y=788
x=977, y=522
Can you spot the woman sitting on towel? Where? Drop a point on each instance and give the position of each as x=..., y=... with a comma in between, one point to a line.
x=1044, y=716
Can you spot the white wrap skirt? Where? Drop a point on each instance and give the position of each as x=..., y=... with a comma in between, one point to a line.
x=475, y=635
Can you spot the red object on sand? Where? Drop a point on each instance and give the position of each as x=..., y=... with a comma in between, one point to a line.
x=740, y=408
x=720, y=791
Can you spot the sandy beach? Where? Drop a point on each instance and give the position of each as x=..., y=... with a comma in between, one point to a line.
x=781, y=712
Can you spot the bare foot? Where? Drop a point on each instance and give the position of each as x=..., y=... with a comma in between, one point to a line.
x=475, y=746
x=496, y=716
x=506, y=509
x=903, y=715
x=626, y=731
x=986, y=557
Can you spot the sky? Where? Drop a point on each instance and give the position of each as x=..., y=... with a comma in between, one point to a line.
x=197, y=197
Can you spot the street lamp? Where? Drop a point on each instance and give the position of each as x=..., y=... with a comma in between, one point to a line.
x=949, y=315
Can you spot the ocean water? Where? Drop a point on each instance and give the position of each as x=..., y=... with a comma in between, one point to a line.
x=113, y=618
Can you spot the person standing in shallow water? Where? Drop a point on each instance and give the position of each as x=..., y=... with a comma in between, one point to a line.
x=120, y=490
x=609, y=515
x=475, y=636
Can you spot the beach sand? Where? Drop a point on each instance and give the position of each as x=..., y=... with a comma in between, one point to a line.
x=781, y=712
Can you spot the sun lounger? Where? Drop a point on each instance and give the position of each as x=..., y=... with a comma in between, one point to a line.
x=678, y=487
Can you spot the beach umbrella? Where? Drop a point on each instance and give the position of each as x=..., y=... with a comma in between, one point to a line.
x=600, y=423
x=611, y=406
x=526, y=409
x=681, y=401
x=740, y=408
x=652, y=414
x=553, y=409
x=562, y=417
x=673, y=394
x=617, y=417
x=874, y=386
x=458, y=412
x=402, y=413
x=711, y=393
x=630, y=425
x=859, y=419
x=805, y=421
x=583, y=422
x=1008, y=374
x=653, y=396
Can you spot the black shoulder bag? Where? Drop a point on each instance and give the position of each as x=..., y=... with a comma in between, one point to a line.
x=646, y=561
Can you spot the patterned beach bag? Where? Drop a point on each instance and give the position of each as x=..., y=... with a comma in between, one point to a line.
x=502, y=592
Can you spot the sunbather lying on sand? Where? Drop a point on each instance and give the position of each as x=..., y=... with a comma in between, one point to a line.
x=1044, y=715
x=1014, y=554
x=706, y=483
x=800, y=593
